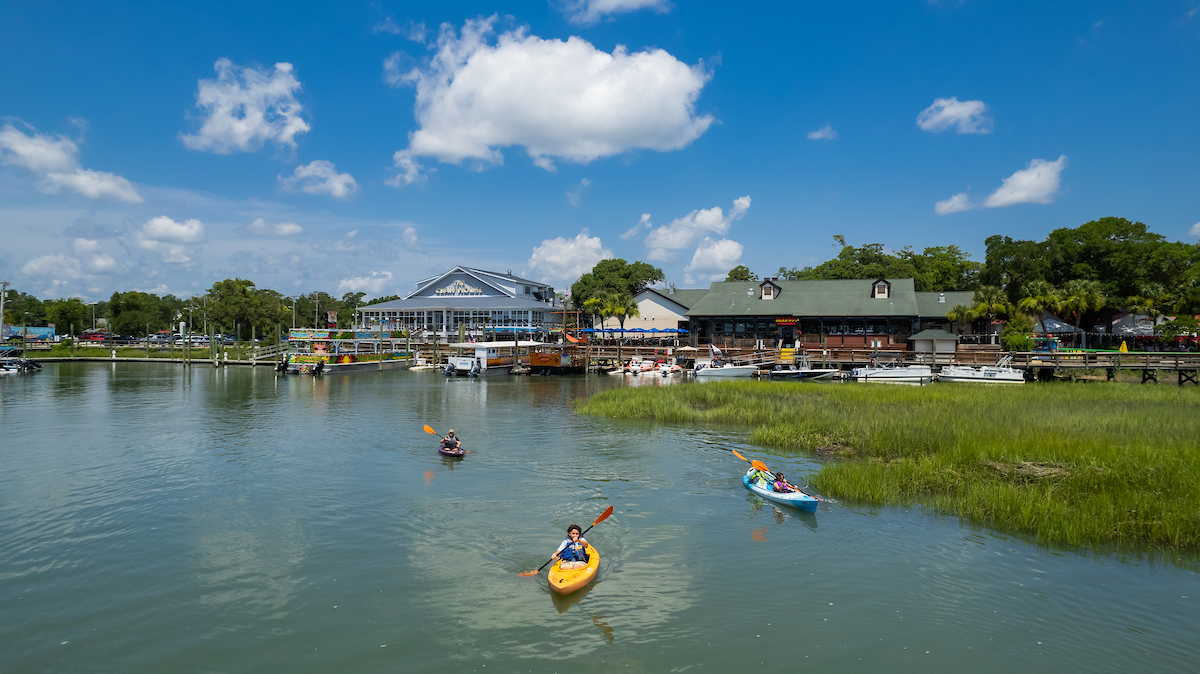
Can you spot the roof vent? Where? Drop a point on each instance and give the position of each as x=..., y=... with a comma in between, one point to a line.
x=509, y=272
x=941, y=297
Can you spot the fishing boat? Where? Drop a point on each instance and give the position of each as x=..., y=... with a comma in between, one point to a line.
x=798, y=499
x=885, y=369
x=570, y=580
x=802, y=370
x=1000, y=373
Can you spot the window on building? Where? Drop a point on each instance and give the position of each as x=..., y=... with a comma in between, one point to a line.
x=881, y=290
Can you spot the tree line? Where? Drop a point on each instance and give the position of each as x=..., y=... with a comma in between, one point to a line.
x=1080, y=274
x=233, y=306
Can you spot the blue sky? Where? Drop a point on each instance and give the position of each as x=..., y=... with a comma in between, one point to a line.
x=362, y=146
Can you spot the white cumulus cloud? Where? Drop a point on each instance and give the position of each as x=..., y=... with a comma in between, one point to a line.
x=371, y=284
x=562, y=259
x=321, y=177
x=1195, y=230
x=589, y=12
x=410, y=238
x=633, y=231
x=824, y=133
x=555, y=98
x=246, y=107
x=173, y=240
x=57, y=267
x=90, y=254
x=683, y=232
x=955, y=204
x=1037, y=184
x=965, y=116
x=56, y=160
x=264, y=228
x=712, y=260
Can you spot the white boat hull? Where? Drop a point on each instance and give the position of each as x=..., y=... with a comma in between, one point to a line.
x=984, y=375
x=909, y=373
x=728, y=371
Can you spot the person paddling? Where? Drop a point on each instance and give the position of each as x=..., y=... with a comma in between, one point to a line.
x=451, y=442
x=573, y=550
x=781, y=485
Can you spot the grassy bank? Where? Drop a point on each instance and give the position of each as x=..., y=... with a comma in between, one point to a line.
x=1074, y=464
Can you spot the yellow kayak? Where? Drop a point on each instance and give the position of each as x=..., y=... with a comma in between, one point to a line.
x=566, y=582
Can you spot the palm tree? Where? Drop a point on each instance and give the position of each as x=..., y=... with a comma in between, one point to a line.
x=960, y=314
x=595, y=307
x=1082, y=296
x=1041, y=296
x=1152, y=300
x=990, y=301
x=621, y=306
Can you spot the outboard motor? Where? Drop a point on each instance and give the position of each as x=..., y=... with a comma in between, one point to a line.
x=318, y=368
x=282, y=365
x=475, y=370
x=450, y=370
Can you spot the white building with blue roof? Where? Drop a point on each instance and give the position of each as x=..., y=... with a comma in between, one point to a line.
x=477, y=299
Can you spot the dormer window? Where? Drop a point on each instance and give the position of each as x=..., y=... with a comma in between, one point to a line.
x=881, y=289
x=768, y=293
x=768, y=290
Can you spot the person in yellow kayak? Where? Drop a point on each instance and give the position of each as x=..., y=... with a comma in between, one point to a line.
x=573, y=550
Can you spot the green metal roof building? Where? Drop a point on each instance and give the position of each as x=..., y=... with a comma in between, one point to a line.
x=853, y=313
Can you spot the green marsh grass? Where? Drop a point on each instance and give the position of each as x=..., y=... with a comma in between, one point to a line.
x=1079, y=464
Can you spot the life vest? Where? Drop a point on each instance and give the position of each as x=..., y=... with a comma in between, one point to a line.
x=574, y=552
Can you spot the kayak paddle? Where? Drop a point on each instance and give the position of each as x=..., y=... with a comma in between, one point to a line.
x=429, y=429
x=759, y=465
x=603, y=516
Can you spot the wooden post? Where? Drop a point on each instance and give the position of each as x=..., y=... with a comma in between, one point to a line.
x=147, y=341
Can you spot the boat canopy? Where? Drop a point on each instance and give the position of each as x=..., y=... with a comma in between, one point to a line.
x=491, y=345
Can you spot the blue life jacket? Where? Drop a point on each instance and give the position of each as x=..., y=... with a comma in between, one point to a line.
x=574, y=552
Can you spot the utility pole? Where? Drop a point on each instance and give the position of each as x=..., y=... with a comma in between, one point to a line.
x=3, y=293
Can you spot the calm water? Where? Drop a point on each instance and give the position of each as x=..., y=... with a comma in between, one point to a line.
x=226, y=520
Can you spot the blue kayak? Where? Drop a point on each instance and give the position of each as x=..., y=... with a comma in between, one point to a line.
x=796, y=499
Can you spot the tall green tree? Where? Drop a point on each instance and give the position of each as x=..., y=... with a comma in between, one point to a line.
x=1152, y=301
x=869, y=261
x=614, y=275
x=69, y=316
x=238, y=303
x=1011, y=264
x=621, y=306
x=1041, y=297
x=131, y=312
x=741, y=273
x=24, y=309
x=942, y=268
x=1082, y=296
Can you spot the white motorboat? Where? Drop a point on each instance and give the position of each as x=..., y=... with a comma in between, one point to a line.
x=727, y=370
x=668, y=369
x=886, y=369
x=1000, y=373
